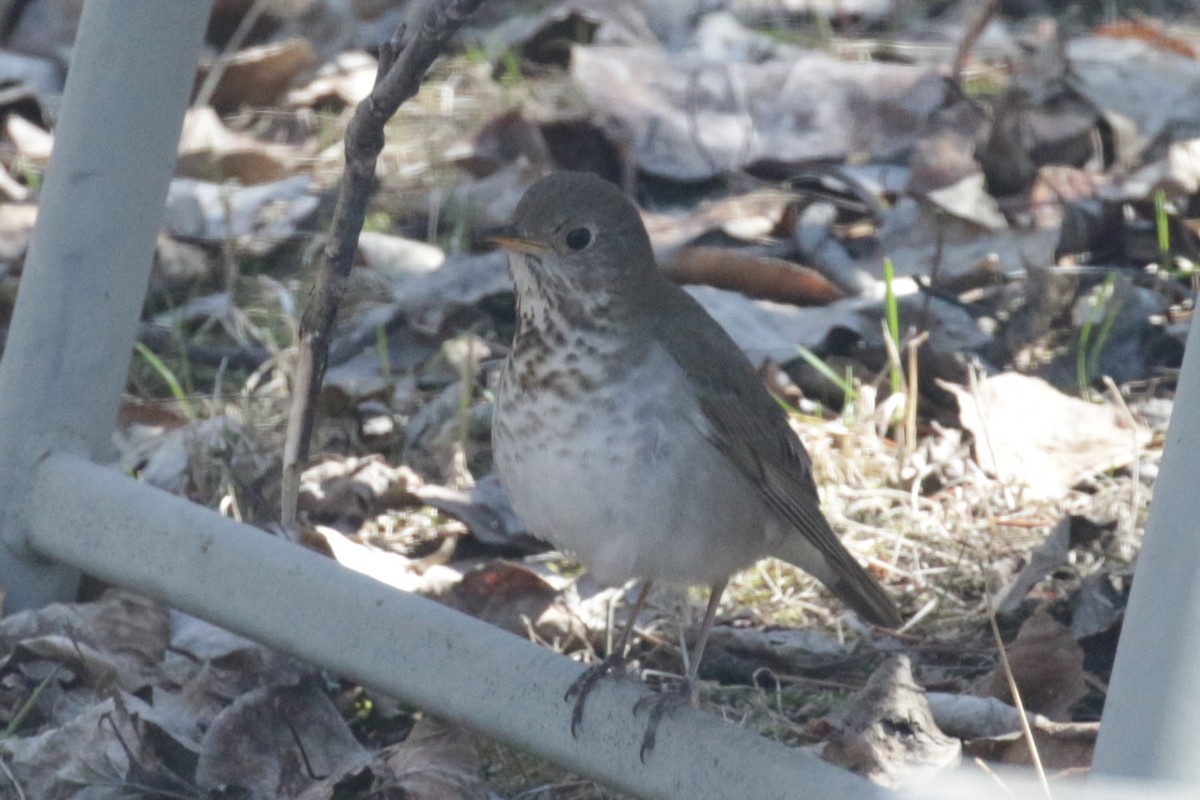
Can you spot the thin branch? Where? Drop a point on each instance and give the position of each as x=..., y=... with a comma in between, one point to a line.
x=403, y=62
x=970, y=37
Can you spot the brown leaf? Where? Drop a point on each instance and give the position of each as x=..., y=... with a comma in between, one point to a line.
x=1060, y=745
x=94, y=747
x=437, y=762
x=516, y=599
x=1144, y=31
x=207, y=148
x=1047, y=666
x=258, y=76
x=757, y=276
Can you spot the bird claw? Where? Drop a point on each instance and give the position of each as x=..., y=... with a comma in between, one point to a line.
x=613, y=664
x=658, y=705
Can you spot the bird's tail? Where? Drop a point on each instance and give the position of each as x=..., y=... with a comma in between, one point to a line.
x=833, y=565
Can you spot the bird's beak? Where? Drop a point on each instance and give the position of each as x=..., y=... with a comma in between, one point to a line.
x=508, y=238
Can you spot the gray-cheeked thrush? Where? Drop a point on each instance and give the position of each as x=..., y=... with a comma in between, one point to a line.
x=631, y=431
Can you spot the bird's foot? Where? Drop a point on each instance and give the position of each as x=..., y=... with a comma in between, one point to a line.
x=613, y=664
x=682, y=694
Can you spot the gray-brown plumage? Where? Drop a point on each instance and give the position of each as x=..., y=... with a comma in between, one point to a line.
x=631, y=431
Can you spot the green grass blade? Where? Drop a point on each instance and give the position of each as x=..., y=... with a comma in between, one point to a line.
x=846, y=386
x=168, y=377
x=893, y=317
x=1162, y=229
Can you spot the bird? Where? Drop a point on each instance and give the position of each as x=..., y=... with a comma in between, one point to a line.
x=632, y=432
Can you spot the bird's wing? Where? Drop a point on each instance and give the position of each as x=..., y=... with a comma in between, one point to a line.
x=747, y=426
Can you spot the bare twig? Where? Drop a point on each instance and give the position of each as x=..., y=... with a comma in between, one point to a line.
x=935, y=270
x=970, y=37
x=403, y=62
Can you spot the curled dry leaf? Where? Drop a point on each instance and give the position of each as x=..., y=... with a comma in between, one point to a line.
x=398, y=258
x=753, y=275
x=991, y=730
x=967, y=716
x=886, y=731
x=748, y=216
x=258, y=76
x=516, y=599
x=1147, y=95
x=208, y=148
x=743, y=652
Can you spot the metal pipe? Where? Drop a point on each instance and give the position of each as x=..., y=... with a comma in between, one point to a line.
x=67, y=353
x=1151, y=720
x=404, y=645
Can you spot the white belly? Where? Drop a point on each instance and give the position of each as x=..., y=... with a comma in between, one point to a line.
x=627, y=482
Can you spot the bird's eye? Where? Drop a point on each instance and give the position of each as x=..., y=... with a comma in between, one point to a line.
x=579, y=238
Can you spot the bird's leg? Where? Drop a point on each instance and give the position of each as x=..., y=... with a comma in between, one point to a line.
x=612, y=664
x=684, y=693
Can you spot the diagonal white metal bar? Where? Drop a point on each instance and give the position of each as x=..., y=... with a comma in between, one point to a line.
x=263, y=587
x=1151, y=724
x=67, y=352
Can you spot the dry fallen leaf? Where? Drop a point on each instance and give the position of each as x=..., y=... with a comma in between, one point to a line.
x=296, y=733
x=886, y=731
x=258, y=76
x=1029, y=433
x=1047, y=666
x=436, y=762
x=688, y=119
x=208, y=149
x=753, y=275
x=518, y=600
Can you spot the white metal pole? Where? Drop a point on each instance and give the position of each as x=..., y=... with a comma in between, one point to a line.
x=439, y=659
x=67, y=353
x=1151, y=723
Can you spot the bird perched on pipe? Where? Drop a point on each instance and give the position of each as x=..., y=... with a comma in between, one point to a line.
x=631, y=431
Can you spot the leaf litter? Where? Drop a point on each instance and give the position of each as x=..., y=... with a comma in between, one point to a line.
x=1039, y=211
